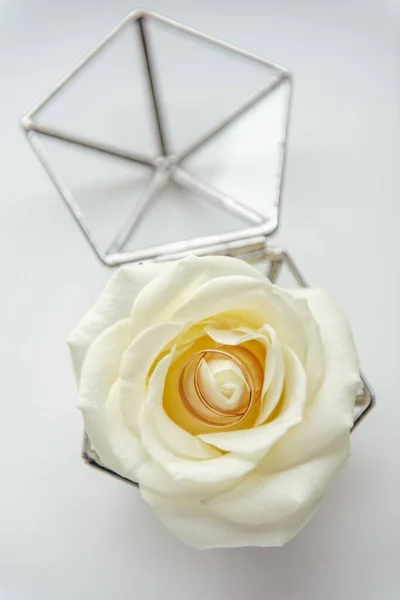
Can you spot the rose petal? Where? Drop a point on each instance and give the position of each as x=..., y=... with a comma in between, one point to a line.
x=270, y=498
x=330, y=414
x=179, y=441
x=274, y=363
x=308, y=457
x=125, y=445
x=212, y=389
x=260, y=439
x=179, y=280
x=173, y=438
x=99, y=372
x=274, y=377
x=114, y=304
x=193, y=523
x=314, y=360
x=258, y=299
x=130, y=390
x=156, y=479
x=227, y=467
x=219, y=469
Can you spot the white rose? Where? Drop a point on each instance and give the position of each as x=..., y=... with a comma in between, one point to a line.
x=228, y=399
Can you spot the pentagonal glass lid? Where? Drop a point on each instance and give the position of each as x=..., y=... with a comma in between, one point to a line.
x=164, y=140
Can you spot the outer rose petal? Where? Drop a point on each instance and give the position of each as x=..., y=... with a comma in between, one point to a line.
x=314, y=360
x=331, y=413
x=99, y=372
x=193, y=523
x=114, y=304
x=260, y=300
x=179, y=280
x=130, y=390
x=271, y=498
x=155, y=479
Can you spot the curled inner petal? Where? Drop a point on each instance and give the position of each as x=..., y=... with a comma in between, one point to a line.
x=220, y=386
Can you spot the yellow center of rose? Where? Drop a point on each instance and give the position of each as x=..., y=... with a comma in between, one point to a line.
x=220, y=386
x=213, y=386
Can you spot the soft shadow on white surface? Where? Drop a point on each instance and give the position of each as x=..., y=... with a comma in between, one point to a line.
x=67, y=531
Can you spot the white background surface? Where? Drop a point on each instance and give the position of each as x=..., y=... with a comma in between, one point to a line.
x=67, y=531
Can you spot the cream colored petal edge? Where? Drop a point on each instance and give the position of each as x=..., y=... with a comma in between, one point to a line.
x=125, y=445
x=273, y=364
x=259, y=299
x=194, y=524
x=261, y=439
x=314, y=357
x=260, y=512
x=179, y=280
x=178, y=464
x=228, y=467
x=129, y=394
x=329, y=415
x=114, y=304
x=99, y=372
x=156, y=479
x=274, y=377
x=274, y=497
x=274, y=369
x=130, y=390
x=169, y=439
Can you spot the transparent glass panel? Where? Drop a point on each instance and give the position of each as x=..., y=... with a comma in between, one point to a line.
x=108, y=101
x=199, y=83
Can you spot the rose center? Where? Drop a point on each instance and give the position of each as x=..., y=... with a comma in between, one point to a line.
x=220, y=386
x=222, y=382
